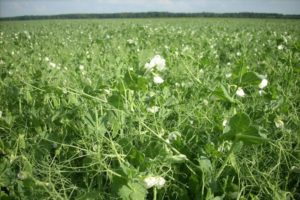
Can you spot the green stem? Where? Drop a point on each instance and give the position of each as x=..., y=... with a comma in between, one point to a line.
x=226, y=160
x=171, y=147
x=154, y=193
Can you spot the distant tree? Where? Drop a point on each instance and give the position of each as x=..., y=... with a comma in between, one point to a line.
x=153, y=15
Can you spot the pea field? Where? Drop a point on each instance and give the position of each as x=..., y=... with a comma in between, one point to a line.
x=133, y=109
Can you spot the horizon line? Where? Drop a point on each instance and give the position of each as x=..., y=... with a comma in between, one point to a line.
x=149, y=12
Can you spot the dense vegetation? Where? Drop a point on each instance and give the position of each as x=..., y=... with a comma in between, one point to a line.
x=150, y=109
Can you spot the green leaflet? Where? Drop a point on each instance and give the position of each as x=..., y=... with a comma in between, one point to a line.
x=242, y=130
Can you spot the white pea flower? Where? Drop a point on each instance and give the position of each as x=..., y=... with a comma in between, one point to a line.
x=263, y=84
x=53, y=65
x=280, y=47
x=153, y=109
x=238, y=53
x=81, y=67
x=157, y=79
x=47, y=59
x=154, y=181
x=225, y=122
x=160, y=182
x=161, y=65
x=150, y=182
x=240, y=92
x=228, y=75
x=279, y=123
x=149, y=67
x=158, y=62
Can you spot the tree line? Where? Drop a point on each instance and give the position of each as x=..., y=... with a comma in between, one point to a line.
x=154, y=15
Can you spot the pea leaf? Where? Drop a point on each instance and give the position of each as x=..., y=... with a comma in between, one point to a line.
x=116, y=100
x=132, y=191
x=239, y=122
x=242, y=130
x=222, y=93
x=135, y=82
x=250, y=78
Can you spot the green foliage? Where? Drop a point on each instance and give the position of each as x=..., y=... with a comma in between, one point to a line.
x=242, y=130
x=250, y=78
x=223, y=94
x=132, y=191
x=82, y=118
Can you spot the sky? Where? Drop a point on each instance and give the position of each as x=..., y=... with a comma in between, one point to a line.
x=9, y=8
